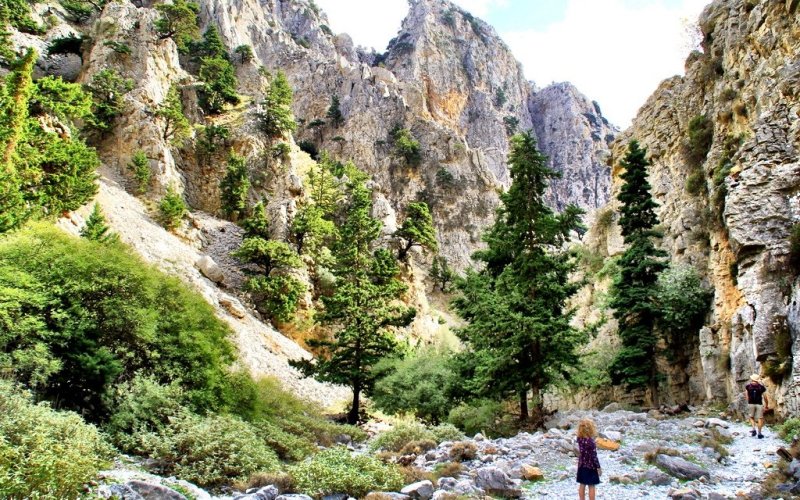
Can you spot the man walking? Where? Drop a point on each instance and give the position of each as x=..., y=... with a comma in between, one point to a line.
x=755, y=392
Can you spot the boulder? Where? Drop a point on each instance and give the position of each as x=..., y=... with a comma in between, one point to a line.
x=293, y=496
x=210, y=269
x=657, y=477
x=384, y=495
x=150, y=491
x=531, y=473
x=233, y=306
x=611, y=435
x=684, y=494
x=266, y=493
x=680, y=468
x=717, y=422
x=123, y=492
x=716, y=496
x=611, y=408
x=421, y=489
x=607, y=444
x=496, y=482
x=794, y=468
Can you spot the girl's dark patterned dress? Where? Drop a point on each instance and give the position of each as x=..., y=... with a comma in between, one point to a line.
x=588, y=464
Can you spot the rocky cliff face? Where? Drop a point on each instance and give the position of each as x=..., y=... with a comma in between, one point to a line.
x=729, y=213
x=451, y=81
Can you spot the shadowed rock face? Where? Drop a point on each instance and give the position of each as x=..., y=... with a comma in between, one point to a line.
x=734, y=225
x=451, y=81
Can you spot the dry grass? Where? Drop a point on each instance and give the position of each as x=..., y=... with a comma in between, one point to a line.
x=284, y=482
x=418, y=447
x=650, y=456
x=448, y=469
x=463, y=451
x=413, y=474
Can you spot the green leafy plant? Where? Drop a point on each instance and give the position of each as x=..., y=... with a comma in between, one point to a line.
x=334, y=114
x=118, y=47
x=45, y=453
x=789, y=429
x=441, y=273
x=335, y=470
x=700, y=136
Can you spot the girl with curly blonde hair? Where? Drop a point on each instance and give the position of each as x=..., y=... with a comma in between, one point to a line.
x=588, y=465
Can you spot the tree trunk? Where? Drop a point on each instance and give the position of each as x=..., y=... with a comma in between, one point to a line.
x=352, y=416
x=523, y=406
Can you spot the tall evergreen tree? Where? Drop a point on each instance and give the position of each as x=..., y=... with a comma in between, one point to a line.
x=518, y=323
x=234, y=187
x=275, y=116
x=176, y=125
x=633, y=295
x=417, y=229
x=363, y=307
x=178, y=21
x=334, y=112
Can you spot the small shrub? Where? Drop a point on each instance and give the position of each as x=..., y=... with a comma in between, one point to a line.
x=448, y=469
x=418, y=447
x=118, y=47
x=511, y=123
x=481, y=416
x=789, y=429
x=445, y=178
x=700, y=135
x=281, y=150
x=779, y=365
x=212, y=138
x=716, y=441
x=171, y=208
x=446, y=432
x=69, y=44
x=140, y=166
x=213, y=451
x=406, y=146
x=45, y=453
x=463, y=451
x=401, y=435
x=695, y=183
x=412, y=474
x=108, y=91
x=682, y=302
x=500, y=97
x=335, y=470
x=245, y=53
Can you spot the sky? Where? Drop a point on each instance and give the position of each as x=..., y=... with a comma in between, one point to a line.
x=615, y=51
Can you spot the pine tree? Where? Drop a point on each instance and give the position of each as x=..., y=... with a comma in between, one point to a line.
x=176, y=125
x=178, y=21
x=96, y=228
x=234, y=187
x=519, y=325
x=633, y=295
x=108, y=91
x=172, y=209
x=140, y=166
x=275, y=116
x=313, y=228
x=417, y=229
x=441, y=273
x=335, y=112
x=245, y=53
x=257, y=223
x=363, y=306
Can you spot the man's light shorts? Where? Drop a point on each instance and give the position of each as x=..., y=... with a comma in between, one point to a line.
x=755, y=411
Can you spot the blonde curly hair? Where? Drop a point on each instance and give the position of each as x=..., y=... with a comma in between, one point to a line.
x=586, y=428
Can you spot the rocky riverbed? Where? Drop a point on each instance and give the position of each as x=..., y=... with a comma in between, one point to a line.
x=693, y=456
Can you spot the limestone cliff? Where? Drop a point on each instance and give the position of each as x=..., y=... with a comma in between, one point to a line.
x=729, y=212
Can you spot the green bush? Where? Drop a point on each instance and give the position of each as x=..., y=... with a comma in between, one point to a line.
x=275, y=116
x=141, y=406
x=406, y=146
x=171, y=209
x=417, y=384
x=400, y=435
x=213, y=451
x=789, y=429
x=335, y=470
x=446, y=432
x=45, y=453
x=700, y=136
x=484, y=416
x=682, y=301
x=219, y=87
x=108, y=91
x=277, y=296
x=234, y=187
x=116, y=317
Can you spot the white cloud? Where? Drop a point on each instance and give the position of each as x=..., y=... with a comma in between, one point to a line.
x=614, y=52
x=371, y=23
x=480, y=8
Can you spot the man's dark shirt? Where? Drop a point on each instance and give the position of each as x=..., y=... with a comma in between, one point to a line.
x=754, y=392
